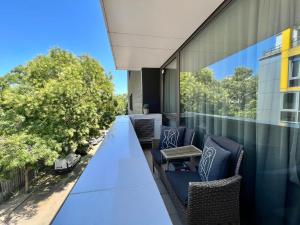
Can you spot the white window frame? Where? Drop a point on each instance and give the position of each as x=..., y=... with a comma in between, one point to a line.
x=295, y=110
x=291, y=65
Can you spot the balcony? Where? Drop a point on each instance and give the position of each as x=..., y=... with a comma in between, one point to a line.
x=117, y=187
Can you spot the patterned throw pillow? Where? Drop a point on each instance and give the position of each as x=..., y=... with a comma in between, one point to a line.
x=214, y=162
x=171, y=137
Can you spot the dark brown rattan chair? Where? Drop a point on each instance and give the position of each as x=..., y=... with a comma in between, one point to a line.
x=213, y=202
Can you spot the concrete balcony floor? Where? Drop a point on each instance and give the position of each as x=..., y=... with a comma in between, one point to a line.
x=164, y=193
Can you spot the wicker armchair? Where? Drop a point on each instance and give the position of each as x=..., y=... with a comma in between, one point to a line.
x=213, y=202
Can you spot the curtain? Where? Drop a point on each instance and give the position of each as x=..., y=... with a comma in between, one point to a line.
x=170, y=100
x=230, y=76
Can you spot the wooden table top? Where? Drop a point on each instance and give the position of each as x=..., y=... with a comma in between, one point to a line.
x=181, y=152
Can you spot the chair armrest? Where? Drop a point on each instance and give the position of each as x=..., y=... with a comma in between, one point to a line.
x=155, y=143
x=214, y=202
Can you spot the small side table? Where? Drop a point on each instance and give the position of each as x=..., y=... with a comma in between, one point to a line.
x=188, y=151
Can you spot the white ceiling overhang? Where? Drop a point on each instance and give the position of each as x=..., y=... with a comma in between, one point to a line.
x=145, y=33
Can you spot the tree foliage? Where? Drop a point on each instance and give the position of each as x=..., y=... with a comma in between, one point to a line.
x=200, y=92
x=55, y=102
x=122, y=104
x=233, y=96
x=28, y=150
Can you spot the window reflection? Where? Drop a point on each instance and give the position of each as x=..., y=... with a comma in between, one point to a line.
x=232, y=96
x=248, y=84
x=235, y=81
x=228, y=87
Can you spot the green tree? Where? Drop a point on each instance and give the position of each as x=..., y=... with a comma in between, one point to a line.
x=201, y=92
x=121, y=102
x=24, y=151
x=50, y=106
x=62, y=97
x=242, y=93
x=232, y=96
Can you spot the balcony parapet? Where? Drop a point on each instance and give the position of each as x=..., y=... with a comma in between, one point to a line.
x=117, y=186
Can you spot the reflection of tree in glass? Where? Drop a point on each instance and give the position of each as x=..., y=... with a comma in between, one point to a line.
x=233, y=96
x=242, y=90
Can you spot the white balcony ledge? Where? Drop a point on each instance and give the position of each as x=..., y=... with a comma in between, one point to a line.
x=117, y=187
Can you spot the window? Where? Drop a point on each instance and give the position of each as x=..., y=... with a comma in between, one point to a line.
x=295, y=67
x=290, y=107
x=296, y=37
x=289, y=101
x=278, y=41
x=288, y=116
x=294, y=77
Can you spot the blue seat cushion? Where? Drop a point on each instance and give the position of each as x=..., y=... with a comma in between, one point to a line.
x=157, y=156
x=180, y=183
x=171, y=137
x=214, y=162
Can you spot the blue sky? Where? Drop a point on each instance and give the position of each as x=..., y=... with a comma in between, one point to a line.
x=32, y=27
x=248, y=57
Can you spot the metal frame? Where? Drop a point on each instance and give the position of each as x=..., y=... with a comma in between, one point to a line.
x=176, y=55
